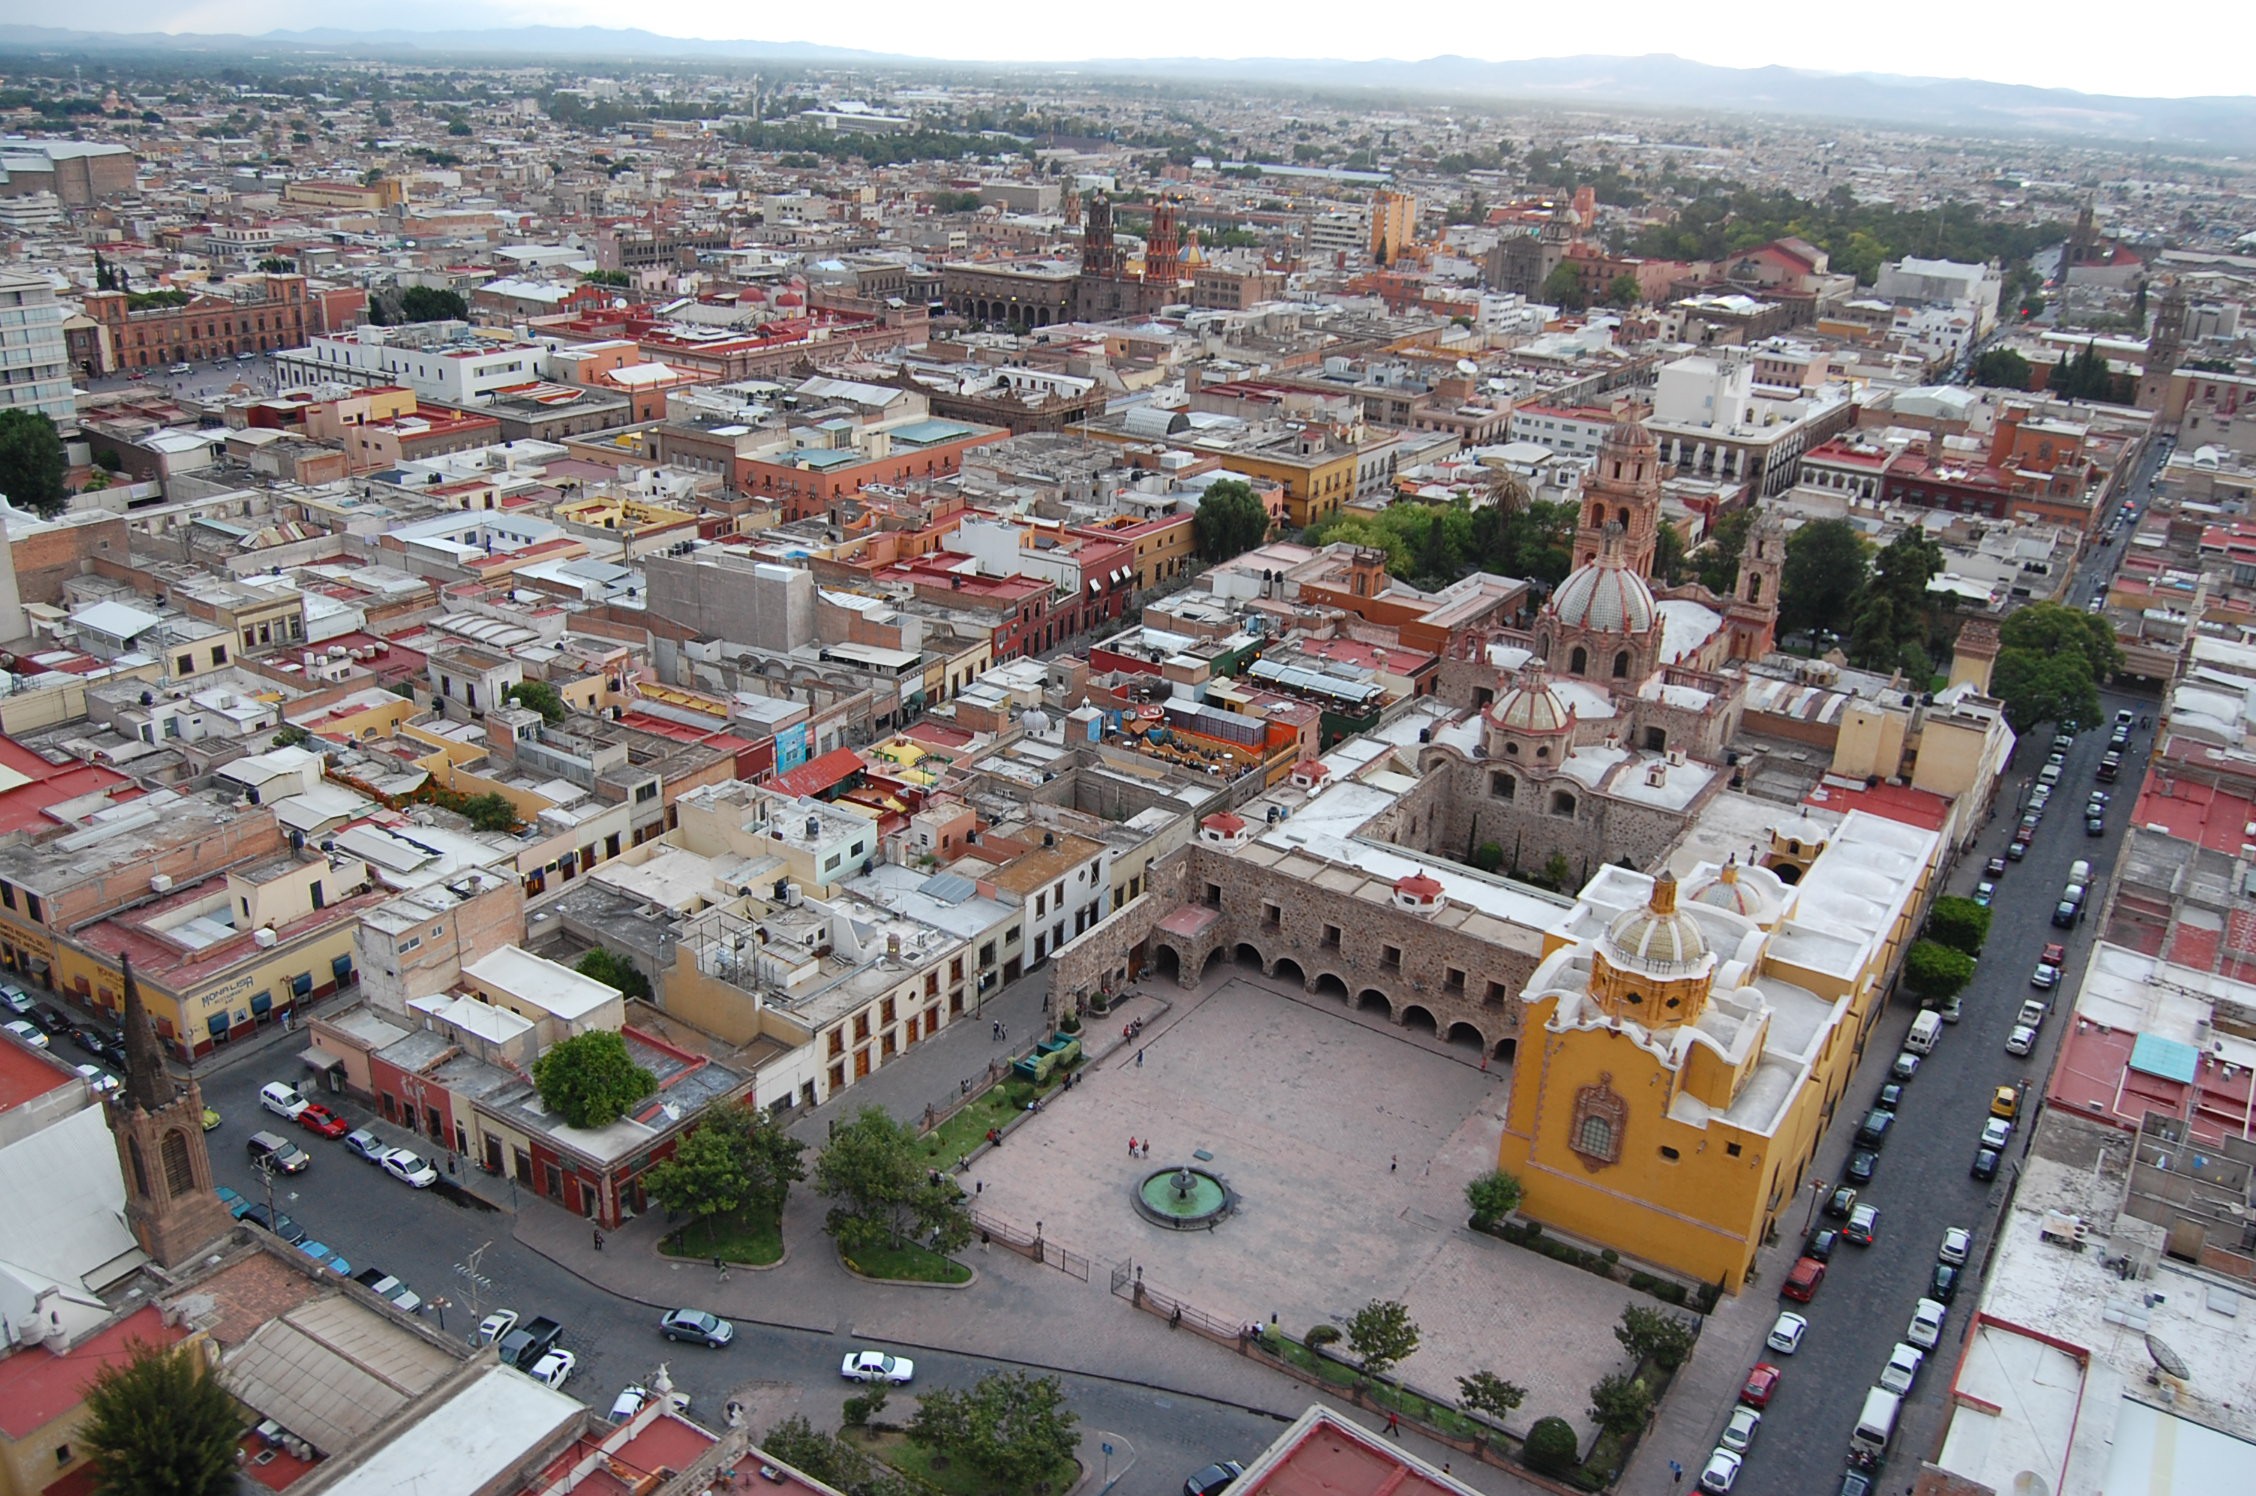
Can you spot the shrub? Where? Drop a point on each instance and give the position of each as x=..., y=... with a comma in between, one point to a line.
x=862, y=1407
x=1492, y=1196
x=1609, y=1256
x=1550, y=1447
x=1321, y=1335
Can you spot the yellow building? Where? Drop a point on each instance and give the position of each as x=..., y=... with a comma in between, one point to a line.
x=1394, y=224
x=1683, y=1054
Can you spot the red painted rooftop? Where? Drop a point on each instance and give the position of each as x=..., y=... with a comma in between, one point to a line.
x=1894, y=802
x=2216, y=818
x=37, y=1386
x=819, y=774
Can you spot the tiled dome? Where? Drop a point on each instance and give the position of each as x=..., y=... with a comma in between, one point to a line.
x=1659, y=934
x=1605, y=597
x=1723, y=890
x=1531, y=706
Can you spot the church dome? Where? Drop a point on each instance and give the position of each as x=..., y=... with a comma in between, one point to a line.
x=1659, y=935
x=1626, y=437
x=1605, y=597
x=1723, y=890
x=1531, y=706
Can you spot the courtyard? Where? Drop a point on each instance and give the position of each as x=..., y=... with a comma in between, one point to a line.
x=1349, y=1143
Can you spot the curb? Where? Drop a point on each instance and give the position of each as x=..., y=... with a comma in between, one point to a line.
x=861, y=1277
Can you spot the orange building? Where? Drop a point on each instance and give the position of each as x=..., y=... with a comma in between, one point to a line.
x=206, y=327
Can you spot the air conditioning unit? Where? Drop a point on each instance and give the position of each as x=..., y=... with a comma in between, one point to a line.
x=160, y=883
x=263, y=937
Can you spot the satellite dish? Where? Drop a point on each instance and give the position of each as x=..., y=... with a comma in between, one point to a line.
x=1467, y=366
x=2171, y=1363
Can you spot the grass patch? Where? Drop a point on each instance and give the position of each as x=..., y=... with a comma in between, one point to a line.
x=1409, y=1404
x=752, y=1237
x=967, y=1129
x=908, y=1263
x=950, y=1477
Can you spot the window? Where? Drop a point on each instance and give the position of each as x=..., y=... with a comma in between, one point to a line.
x=1670, y=1153
x=1213, y=895
x=1503, y=786
x=1562, y=803
x=179, y=1173
x=1732, y=1150
x=1621, y=665
x=219, y=654
x=1273, y=915
x=1331, y=937
x=1579, y=661
x=1495, y=995
x=1390, y=956
x=1595, y=1136
x=1453, y=979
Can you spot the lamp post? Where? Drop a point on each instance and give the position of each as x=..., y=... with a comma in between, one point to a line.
x=441, y=1306
x=1817, y=1191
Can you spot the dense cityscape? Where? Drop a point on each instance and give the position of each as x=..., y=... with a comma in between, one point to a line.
x=909, y=779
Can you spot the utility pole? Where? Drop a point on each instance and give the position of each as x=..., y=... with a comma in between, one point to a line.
x=266, y=1173
x=469, y=1271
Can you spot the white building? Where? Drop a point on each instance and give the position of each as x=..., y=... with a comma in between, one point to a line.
x=440, y=361
x=35, y=372
x=1975, y=286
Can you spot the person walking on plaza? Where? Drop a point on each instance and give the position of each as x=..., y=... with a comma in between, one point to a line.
x=1394, y=1424
x=599, y=1239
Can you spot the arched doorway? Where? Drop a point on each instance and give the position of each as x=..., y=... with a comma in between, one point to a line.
x=1166, y=964
x=1419, y=1020
x=1289, y=969
x=1372, y=1000
x=1507, y=1050
x=1328, y=985
x=1212, y=957
x=1247, y=955
x=1465, y=1036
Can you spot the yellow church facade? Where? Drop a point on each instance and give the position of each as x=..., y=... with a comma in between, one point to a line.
x=1684, y=1046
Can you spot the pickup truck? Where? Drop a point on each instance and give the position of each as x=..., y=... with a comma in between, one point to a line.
x=524, y=1346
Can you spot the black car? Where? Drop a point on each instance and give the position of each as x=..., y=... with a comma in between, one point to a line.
x=1943, y=1285
x=1985, y=1164
x=1863, y=1164
x=524, y=1346
x=281, y=1225
x=2094, y=826
x=1821, y=1243
x=1840, y=1203
x=1856, y=1483
x=1872, y=1132
x=51, y=1018
x=94, y=1041
x=1890, y=1097
x=1213, y=1479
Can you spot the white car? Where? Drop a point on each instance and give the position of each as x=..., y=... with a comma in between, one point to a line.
x=408, y=1168
x=1926, y=1324
x=496, y=1325
x=29, y=1033
x=100, y=1081
x=555, y=1368
x=634, y=1399
x=284, y=1101
x=1996, y=1132
x=1902, y=1368
x=877, y=1366
x=1740, y=1431
x=1722, y=1471
x=1958, y=1242
x=1786, y=1334
x=2021, y=1040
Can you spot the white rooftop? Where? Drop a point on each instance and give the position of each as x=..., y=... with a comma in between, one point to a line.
x=473, y=1439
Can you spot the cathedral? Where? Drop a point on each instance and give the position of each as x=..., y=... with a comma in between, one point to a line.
x=1109, y=288
x=1594, y=733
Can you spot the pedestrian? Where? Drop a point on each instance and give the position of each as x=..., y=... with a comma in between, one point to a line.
x=599, y=1239
x=979, y=1187
x=1484, y=1064
x=1131, y=1147
x=1139, y=1059
x=1394, y=1424
x=1394, y=1162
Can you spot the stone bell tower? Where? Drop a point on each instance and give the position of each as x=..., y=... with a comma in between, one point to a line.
x=159, y=1127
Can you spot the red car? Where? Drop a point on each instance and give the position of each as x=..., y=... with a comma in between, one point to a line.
x=1761, y=1383
x=318, y=1118
x=2056, y=954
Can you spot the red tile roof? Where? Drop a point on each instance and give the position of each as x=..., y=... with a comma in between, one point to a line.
x=816, y=775
x=37, y=1386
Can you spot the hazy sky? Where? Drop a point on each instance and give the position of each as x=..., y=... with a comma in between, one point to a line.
x=2069, y=43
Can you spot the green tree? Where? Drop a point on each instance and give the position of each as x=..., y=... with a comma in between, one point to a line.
x=833, y=1461
x=1557, y=872
x=1486, y=1393
x=1668, y=555
x=1654, y=1335
x=539, y=696
x=1382, y=1335
x=292, y=736
x=160, y=1424
x=490, y=812
x=590, y=1080
x=2038, y=688
x=705, y=1176
x=1824, y=577
x=430, y=304
x=1551, y=1447
x=1230, y=520
x=1562, y=288
x=2001, y=368
x=32, y=462
x=1492, y=1196
x=1488, y=856
x=616, y=971
x=1715, y=565
x=1624, y=292
x=2085, y=375
x=617, y=278
x=1936, y=972
x=2051, y=629
x=277, y=265
x=1959, y=923
x=1011, y=1426
x=881, y=1191
x=1620, y=1403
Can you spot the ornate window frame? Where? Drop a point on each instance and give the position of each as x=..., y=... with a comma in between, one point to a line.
x=1599, y=1146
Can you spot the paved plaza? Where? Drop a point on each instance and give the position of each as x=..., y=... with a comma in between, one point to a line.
x=1350, y=1144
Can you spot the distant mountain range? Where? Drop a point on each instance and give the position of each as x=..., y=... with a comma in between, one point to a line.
x=1653, y=82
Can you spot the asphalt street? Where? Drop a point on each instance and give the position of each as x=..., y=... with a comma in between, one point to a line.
x=1924, y=1183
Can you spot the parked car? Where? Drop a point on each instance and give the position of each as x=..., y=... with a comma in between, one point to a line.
x=525, y=1344
x=409, y=1168
x=367, y=1145
x=1995, y=867
x=284, y=1101
x=554, y=1369
x=1872, y=1132
x=92, y=1041
x=1905, y=1067
x=2045, y=977
x=1926, y=1324
x=1864, y=1225
x=1996, y=1132
x=1863, y=1164
x=318, y=1118
x=1740, y=1431
x=1214, y=1479
x=2021, y=1040
x=99, y=1081
x=1761, y=1385
x=51, y=1018
x=2055, y=953
x=237, y=1206
x=2017, y=851
x=1786, y=1332
x=24, y=1030
x=2032, y=1014
x=496, y=1325
x=1722, y=1470
x=1841, y=1203
x=277, y=1222
x=211, y=1118
x=1985, y=1165
x=277, y=1151
x=15, y=1000
x=698, y=1326
x=1985, y=893
x=2095, y=825
x=1902, y=1368
x=1942, y=1283
x=877, y=1366
x=324, y=1254
x=1890, y=1097
x=1820, y=1243
x=385, y=1286
x=2005, y=1102
x=1958, y=1241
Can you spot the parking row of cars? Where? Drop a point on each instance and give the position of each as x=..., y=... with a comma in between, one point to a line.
x=273, y=1151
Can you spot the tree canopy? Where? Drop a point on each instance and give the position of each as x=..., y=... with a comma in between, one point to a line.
x=883, y=1193
x=2049, y=664
x=1382, y=1335
x=539, y=696
x=1959, y=923
x=1895, y=614
x=32, y=462
x=614, y=970
x=1011, y=1426
x=1562, y=288
x=2088, y=376
x=1723, y=219
x=1827, y=563
x=590, y=1080
x=736, y=1159
x=160, y=1424
x=1935, y=972
x=2001, y=368
x=1231, y=520
x=1439, y=543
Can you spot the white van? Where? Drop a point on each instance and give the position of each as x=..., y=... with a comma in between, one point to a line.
x=1925, y=1030
x=2079, y=871
x=1875, y=1426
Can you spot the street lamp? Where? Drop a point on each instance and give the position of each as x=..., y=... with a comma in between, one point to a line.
x=1817, y=1191
x=441, y=1306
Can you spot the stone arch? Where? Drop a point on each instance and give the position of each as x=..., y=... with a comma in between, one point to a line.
x=1328, y=984
x=1464, y=1035
x=1248, y=954
x=1372, y=999
x=1166, y=963
x=1507, y=1050
x=1579, y=661
x=1420, y=1019
x=1298, y=975
x=179, y=1166
x=1788, y=873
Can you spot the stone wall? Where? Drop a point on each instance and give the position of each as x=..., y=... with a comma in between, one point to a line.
x=1545, y=817
x=1117, y=949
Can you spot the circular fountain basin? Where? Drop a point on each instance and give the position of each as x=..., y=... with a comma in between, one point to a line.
x=1183, y=1198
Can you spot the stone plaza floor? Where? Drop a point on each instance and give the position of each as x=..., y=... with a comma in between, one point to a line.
x=1349, y=1143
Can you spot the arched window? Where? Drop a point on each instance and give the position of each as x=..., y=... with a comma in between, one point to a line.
x=1621, y=665
x=1562, y=803
x=1597, y=515
x=140, y=1169
x=1502, y=786
x=1625, y=517
x=1595, y=1136
x=1754, y=586
x=179, y=1172
x=1579, y=661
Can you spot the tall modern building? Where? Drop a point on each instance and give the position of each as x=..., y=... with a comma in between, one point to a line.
x=35, y=371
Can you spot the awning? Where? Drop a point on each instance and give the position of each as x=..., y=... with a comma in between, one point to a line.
x=341, y=968
x=320, y=1059
x=217, y=1023
x=301, y=984
x=260, y=1003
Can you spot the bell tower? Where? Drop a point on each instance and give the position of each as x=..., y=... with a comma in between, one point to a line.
x=1753, y=613
x=159, y=1128
x=2165, y=348
x=1623, y=491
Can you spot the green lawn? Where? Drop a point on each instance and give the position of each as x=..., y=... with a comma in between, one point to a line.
x=950, y=1477
x=752, y=1237
x=1409, y=1404
x=908, y=1264
x=967, y=1129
